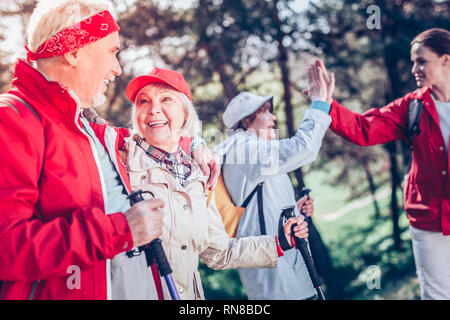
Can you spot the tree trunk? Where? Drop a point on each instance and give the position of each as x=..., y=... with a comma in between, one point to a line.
x=393, y=91
x=218, y=63
x=285, y=79
x=324, y=265
x=395, y=182
x=372, y=189
x=216, y=56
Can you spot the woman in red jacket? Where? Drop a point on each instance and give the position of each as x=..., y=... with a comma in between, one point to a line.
x=427, y=189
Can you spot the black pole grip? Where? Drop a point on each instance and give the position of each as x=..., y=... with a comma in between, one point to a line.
x=304, y=191
x=160, y=257
x=302, y=245
x=136, y=196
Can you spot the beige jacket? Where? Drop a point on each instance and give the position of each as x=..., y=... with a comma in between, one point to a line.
x=193, y=229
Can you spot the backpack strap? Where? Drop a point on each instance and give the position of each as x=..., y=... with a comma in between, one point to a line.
x=92, y=116
x=414, y=113
x=262, y=223
x=249, y=197
x=258, y=189
x=11, y=99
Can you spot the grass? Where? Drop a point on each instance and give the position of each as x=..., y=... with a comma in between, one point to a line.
x=327, y=198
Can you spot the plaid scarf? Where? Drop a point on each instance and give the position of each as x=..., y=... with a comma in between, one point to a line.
x=177, y=163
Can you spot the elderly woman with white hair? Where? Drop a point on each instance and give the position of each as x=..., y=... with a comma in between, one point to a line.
x=192, y=228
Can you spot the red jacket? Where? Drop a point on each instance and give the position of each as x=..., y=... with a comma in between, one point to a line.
x=427, y=190
x=52, y=219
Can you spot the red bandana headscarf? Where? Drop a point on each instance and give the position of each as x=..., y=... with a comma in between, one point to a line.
x=76, y=36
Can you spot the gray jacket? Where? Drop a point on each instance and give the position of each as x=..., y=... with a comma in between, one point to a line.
x=249, y=161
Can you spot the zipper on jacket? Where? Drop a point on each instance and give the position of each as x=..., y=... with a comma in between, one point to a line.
x=104, y=193
x=97, y=161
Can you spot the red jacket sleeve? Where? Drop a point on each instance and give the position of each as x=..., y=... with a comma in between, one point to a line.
x=34, y=249
x=374, y=126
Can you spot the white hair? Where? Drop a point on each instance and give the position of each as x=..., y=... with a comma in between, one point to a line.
x=190, y=125
x=51, y=16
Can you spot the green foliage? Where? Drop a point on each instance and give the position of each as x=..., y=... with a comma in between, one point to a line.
x=222, y=284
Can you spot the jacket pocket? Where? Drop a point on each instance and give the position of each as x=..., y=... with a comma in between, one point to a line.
x=421, y=200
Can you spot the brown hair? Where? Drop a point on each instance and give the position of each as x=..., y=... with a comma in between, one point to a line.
x=436, y=39
x=244, y=123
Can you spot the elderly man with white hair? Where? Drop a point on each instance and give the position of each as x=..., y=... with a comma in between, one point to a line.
x=64, y=212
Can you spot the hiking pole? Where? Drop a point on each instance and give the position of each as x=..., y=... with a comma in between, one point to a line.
x=316, y=283
x=302, y=246
x=155, y=250
x=305, y=191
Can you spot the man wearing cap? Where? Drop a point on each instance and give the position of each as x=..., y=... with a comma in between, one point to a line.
x=64, y=212
x=253, y=155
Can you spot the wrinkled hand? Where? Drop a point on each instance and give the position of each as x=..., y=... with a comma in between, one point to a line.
x=209, y=163
x=145, y=220
x=329, y=80
x=301, y=230
x=317, y=86
x=306, y=206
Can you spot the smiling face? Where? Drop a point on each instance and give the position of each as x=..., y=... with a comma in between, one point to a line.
x=160, y=116
x=263, y=124
x=428, y=67
x=98, y=66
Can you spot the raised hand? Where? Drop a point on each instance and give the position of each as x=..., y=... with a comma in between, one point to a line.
x=329, y=79
x=317, y=86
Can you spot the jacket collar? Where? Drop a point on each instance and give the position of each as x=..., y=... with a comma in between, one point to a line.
x=35, y=85
x=424, y=94
x=421, y=93
x=138, y=161
x=160, y=155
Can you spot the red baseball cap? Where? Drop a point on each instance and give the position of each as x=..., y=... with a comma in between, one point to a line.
x=158, y=75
